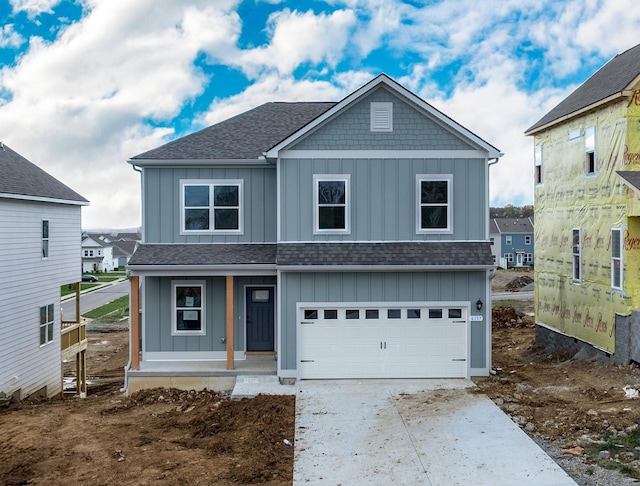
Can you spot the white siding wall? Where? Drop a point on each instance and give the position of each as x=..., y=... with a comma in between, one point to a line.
x=27, y=282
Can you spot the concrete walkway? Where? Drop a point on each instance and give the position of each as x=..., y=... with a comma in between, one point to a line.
x=431, y=432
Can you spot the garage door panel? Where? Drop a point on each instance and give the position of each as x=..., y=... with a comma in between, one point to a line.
x=379, y=347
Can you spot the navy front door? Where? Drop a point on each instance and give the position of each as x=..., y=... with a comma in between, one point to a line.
x=260, y=319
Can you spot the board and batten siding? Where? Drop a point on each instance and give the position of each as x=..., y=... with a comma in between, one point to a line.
x=383, y=198
x=161, y=204
x=28, y=282
x=380, y=288
x=158, y=315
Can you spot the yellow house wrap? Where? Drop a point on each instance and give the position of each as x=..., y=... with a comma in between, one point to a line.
x=575, y=293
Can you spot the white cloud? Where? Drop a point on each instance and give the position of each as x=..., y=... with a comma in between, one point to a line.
x=9, y=37
x=34, y=7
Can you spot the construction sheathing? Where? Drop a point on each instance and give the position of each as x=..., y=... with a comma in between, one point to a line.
x=569, y=198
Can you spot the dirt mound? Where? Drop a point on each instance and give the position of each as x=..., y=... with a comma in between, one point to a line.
x=519, y=282
x=506, y=316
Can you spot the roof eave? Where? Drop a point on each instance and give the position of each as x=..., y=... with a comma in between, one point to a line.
x=26, y=197
x=382, y=268
x=259, y=161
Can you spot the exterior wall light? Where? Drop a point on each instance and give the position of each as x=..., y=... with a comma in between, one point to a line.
x=479, y=305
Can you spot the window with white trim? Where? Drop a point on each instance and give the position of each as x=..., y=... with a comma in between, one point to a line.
x=188, y=299
x=590, y=167
x=538, y=164
x=528, y=257
x=381, y=117
x=527, y=240
x=508, y=257
x=508, y=240
x=434, y=203
x=212, y=206
x=576, y=262
x=331, y=203
x=45, y=238
x=46, y=324
x=616, y=259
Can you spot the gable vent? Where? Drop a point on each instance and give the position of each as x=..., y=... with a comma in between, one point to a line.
x=381, y=117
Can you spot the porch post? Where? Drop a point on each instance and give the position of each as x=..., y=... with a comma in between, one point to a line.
x=230, y=313
x=134, y=319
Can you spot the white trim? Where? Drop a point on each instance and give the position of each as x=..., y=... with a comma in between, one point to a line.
x=383, y=79
x=383, y=154
x=317, y=179
x=259, y=162
x=418, y=208
x=24, y=197
x=203, y=307
x=620, y=229
x=43, y=239
x=590, y=148
x=211, y=184
x=574, y=280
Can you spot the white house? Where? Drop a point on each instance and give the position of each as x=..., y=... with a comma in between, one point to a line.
x=40, y=228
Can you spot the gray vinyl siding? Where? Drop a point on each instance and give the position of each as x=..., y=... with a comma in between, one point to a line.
x=158, y=315
x=381, y=287
x=161, y=204
x=412, y=130
x=27, y=282
x=383, y=198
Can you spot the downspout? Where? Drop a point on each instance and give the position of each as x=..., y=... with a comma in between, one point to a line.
x=128, y=365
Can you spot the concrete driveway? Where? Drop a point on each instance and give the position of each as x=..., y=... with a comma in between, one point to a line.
x=431, y=432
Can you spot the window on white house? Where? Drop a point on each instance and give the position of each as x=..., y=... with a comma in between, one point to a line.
x=46, y=324
x=434, y=193
x=492, y=241
x=45, y=238
x=538, y=164
x=577, y=255
x=188, y=308
x=616, y=259
x=331, y=200
x=508, y=240
x=212, y=206
x=527, y=240
x=381, y=117
x=590, y=150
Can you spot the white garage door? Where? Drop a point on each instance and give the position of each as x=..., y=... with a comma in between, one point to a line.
x=383, y=342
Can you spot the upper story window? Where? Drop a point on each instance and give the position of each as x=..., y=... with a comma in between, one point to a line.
x=590, y=167
x=188, y=308
x=331, y=201
x=434, y=203
x=45, y=238
x=527, y=240
x=538, y=164
x=577, y=255
x=381, y=117
x=508, y=240
x=212, y=206
x=616, y=259
x=46, y=324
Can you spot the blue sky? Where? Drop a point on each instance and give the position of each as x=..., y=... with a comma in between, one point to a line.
x=86, y=84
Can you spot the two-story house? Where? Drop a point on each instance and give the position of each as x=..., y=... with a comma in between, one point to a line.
x=512, y=241
x=348, y=239
x=587, y=208
x=102, y=252
x=40, y=231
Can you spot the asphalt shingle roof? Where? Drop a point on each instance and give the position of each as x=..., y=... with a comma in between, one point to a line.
x=204, y=254
x=245, y=136
x=20, y=177
x=512, y=225
x=428, y=253
x=612, y=78
x=631, y=177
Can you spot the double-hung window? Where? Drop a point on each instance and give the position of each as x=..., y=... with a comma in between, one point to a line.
x=616, y=259
x=577, y=255
x=538, y=164
x=590, y=167
x=331, y=200
x=45, y=238
x=434, y=194
x=46, y=324
x=212, y=206
x=188, y=308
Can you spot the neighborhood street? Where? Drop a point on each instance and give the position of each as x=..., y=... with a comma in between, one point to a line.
x=96, y=298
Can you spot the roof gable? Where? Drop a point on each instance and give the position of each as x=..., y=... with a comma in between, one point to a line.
x=610, y=82
x=398, y=90
x=21, y=179
x=512, y=225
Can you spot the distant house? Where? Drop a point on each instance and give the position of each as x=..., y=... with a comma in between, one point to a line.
x=103, y=252
x=346, y=239
x=512, y=241
x=587, y=214
x=40, y=227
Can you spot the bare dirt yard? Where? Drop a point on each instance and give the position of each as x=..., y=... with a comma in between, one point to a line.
x=576, y=407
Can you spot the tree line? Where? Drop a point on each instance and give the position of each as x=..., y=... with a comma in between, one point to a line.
x=511, y=211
